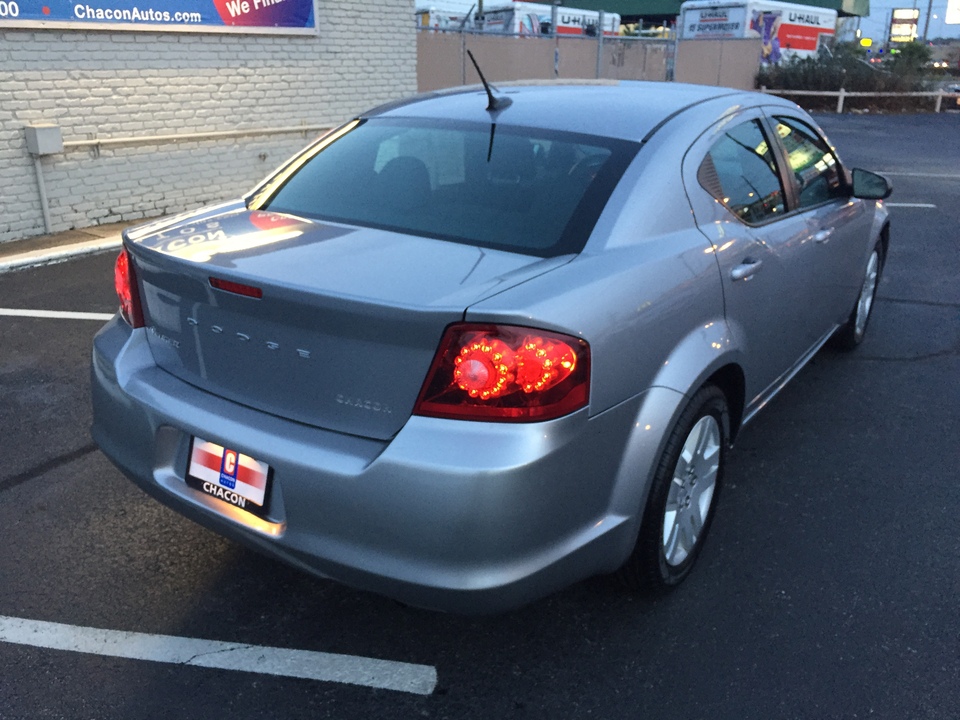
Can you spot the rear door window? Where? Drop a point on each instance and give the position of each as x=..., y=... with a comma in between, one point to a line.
x=740, y=171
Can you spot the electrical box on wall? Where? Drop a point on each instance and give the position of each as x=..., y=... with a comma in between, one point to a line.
x=44, y=139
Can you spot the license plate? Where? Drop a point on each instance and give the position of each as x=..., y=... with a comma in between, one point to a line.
x=228, y=475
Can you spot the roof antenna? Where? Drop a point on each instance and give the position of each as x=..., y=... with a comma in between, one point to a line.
x=494, y=103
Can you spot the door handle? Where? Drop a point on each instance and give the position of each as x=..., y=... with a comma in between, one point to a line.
x=822, y=236
x=745, y=270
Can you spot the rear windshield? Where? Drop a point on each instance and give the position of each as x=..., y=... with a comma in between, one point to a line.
x=530, y=191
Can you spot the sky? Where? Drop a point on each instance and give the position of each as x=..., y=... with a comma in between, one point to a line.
x=875, y=25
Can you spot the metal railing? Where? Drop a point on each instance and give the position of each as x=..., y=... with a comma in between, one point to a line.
x=842, y=95
x=97, y=143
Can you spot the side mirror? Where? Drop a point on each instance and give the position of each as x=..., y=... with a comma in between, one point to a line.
x=870, y=186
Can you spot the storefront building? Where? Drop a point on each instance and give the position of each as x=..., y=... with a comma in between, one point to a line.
x=135, y=112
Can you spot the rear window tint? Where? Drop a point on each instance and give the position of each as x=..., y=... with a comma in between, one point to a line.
x=740, y=172
x=529, y=191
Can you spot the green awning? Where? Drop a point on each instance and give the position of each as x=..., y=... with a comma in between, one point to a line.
x=843, y=7
x=631, y=8
x=664, y=8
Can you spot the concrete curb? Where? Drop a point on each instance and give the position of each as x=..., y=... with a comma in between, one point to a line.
x=49, y=256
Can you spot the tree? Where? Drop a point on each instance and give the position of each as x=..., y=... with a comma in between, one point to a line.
x=911, y=59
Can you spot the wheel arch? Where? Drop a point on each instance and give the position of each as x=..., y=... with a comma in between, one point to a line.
x=709, y=355
x=732, y=383
x=660, y=408
x=884, y=242
x=635, y=567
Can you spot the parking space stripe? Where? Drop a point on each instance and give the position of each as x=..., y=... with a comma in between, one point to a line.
x=45, y=467
x=947, y=176
x=928, y=206
x=305, y=664
x=56, y=314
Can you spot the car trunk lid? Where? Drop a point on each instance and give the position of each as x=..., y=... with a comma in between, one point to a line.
x=347, y=324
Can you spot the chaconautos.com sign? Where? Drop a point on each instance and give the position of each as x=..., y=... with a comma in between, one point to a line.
x=241, y=16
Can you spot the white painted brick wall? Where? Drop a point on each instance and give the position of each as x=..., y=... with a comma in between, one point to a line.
x=100, y=84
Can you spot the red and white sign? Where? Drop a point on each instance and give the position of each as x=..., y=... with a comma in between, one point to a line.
x=800, y=36
x=235, y=473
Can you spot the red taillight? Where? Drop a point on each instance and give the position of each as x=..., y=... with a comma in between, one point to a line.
x=506, y=373
x=485, y=368
x=125, y=283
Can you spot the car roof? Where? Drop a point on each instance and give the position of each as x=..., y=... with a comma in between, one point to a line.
x=628, y=110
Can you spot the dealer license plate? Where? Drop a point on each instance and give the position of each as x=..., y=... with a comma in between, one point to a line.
x=228, y=475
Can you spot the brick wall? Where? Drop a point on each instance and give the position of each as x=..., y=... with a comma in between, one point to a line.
x=133, y=84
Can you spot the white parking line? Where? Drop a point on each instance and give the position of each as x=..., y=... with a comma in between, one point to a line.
x=948, y=176
x=348, y=669
x=911, y=205
x=55, y=314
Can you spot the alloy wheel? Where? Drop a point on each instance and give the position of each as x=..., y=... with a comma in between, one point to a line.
x=867, y=293
x=691, y=490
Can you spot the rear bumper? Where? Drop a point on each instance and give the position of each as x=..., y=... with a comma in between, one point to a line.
x=450, y=515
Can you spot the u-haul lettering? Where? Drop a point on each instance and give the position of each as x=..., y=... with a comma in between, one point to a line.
x=784, y=29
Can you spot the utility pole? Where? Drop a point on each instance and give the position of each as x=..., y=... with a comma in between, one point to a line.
x=926, y=23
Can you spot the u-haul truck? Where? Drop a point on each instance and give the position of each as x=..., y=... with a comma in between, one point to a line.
x=450, y=15
x=786, y=29
x=523, y=18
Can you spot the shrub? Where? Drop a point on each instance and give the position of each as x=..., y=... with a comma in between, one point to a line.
x=846, y=67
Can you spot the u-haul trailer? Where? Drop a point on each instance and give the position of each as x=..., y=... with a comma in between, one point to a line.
x=449, y=15
x=786, y=29
x=523, y=18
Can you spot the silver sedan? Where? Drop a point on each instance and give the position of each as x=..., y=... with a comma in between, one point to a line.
x=470, y=348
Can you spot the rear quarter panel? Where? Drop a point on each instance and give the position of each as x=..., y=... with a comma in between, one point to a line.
x=645, y=293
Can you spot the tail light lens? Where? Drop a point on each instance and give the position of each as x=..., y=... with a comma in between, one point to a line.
x=125, y=282
x=505, y=373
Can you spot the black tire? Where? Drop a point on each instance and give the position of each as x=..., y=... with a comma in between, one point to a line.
x=849, y=335
x=657, y=564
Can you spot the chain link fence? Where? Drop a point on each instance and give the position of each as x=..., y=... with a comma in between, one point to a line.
x=442, y=59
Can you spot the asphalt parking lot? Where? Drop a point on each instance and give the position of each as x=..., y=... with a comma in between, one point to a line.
x=828, y=588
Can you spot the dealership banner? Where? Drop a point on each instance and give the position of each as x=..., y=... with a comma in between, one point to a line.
x=240, y=16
